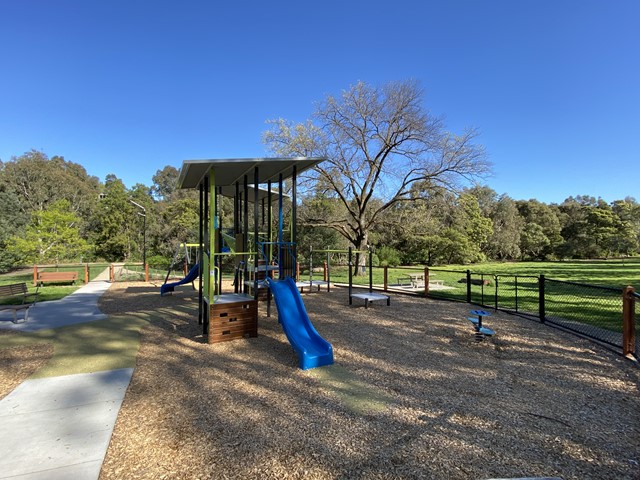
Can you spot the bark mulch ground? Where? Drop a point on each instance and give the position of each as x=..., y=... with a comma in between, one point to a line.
x=430, y=402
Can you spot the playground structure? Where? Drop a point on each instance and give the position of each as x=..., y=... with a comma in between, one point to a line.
x=313, y=350
x=369, y=296
x=191, y=271
x=480, y=330
x=259, y=252
x=311, y=283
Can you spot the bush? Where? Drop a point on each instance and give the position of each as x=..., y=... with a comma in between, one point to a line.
x=159, y=262
x=388, y=257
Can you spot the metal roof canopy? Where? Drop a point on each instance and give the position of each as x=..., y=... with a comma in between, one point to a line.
x=228, y=171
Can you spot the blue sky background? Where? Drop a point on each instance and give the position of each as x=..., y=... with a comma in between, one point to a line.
x=127, y=87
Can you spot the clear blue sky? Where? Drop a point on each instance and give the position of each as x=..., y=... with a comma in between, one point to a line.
x=128, y=87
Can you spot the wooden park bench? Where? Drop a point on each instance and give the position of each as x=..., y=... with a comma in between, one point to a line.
x=18, y=290
x=57, y=277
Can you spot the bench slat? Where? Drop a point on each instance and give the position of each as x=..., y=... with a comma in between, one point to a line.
x=57, y=277
x=13, y=289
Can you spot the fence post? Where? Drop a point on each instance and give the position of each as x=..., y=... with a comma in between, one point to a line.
x=426, y=281
x=324, y=272
x=350, y=277
x=386, y=277
x=468, y=286
x=146, y=272
x=628, y=321
x=35, y=275
x=495, y=279
x=541, y=310
x=86, y=273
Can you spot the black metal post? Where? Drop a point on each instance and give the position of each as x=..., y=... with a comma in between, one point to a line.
x=200, y=251
x=468, y=286
x=350, y=277
x=541, y=306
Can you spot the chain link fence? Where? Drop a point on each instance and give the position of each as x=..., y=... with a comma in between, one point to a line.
x=591, y=310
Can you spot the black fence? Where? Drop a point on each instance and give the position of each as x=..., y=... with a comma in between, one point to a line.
x=589, y=310
x=593, y=311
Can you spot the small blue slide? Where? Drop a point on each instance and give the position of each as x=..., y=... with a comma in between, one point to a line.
x=191, y=276
x=313, y=350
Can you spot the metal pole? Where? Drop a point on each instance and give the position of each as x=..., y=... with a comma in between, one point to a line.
x=541, y=306
x=256, y=179
x=294, y=201
x=200, y=252
x=628, y=321
x=350, y=277
x=370, y=270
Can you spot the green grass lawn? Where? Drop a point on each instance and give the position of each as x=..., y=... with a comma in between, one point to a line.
x=50, y=291
x=514, y=286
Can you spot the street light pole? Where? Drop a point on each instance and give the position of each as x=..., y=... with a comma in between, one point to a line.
x=144, y=232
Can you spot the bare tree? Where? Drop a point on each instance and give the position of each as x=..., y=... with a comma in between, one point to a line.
x=379, y=143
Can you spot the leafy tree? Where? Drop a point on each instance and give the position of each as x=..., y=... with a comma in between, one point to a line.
x=38, y=181
x=477, y=228
x=115, y=225
x=12, y=222
x=547, y=218
x=52, y=236
x=503, y=243
x=164, y=182
x=627, y=239
x=378, y=142
x=415, y=229
x=533, y=241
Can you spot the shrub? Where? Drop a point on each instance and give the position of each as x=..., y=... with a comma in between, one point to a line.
x=388, y=257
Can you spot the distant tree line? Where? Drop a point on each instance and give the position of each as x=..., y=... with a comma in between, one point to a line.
x=52, y=211
x=479, y=225
x=393, y=178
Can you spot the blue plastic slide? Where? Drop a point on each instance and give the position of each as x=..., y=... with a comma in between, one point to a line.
x=313, y=350
x=191, y=276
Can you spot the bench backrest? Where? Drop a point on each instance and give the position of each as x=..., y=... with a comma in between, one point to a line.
x=57, y=275
x=13, y=289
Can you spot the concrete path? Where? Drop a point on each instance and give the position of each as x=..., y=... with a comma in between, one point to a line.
x=60, y=427
x=79, y=307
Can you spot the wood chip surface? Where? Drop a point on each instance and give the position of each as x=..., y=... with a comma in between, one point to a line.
x=531, y=401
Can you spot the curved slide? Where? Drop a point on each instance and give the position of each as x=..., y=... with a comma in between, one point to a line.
x=191, y=276
x=313, y=350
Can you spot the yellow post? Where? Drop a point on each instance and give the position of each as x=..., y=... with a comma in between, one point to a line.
x=213, y=227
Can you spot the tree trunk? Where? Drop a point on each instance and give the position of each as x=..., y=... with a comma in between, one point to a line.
x=360, y=264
